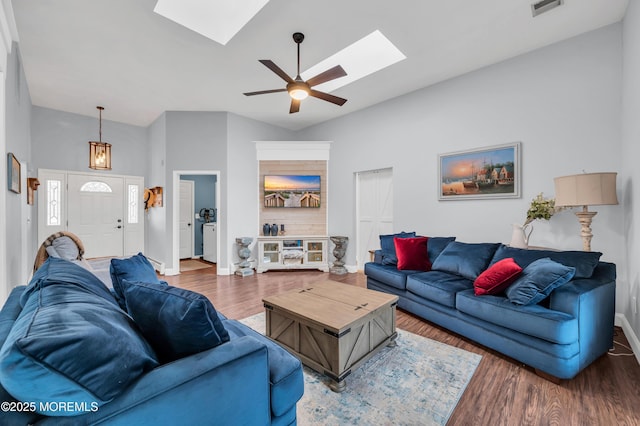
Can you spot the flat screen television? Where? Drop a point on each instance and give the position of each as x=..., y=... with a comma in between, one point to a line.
x=292, y=191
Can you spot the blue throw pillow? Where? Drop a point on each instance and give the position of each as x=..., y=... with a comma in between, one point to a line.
x=465, y=259
x=388, y=247
x=584, y=261
x=136, y=269
x=177, y=322
x=538, y=280
x=70, y=344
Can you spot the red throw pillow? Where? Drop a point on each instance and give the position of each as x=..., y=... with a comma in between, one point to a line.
x=412, y=253
x=497, y=278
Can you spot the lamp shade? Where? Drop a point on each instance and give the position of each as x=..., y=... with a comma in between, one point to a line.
x=587, y=189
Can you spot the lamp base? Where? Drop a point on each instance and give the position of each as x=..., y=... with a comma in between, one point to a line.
x=585, y=217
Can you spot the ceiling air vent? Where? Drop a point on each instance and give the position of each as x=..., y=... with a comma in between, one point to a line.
x=545, y=6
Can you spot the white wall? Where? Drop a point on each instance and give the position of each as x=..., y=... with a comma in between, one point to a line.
x=155, y=218
x=630, y=176
x=243, y=209
x=21, y=218
x=563, y=102
x=61, y=141
x=195, y=141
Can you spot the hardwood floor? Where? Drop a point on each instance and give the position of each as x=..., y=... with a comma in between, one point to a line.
x=502, y=390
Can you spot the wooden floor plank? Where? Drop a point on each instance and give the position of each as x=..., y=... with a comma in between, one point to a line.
x=502, y=390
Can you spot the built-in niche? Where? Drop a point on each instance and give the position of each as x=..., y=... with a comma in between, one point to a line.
x=297, y=221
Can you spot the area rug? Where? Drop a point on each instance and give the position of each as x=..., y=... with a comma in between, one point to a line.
x=419, y=382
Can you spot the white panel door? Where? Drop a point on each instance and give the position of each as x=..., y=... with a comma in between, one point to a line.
x=186, y=218
x=374, y=211
x=96, y=213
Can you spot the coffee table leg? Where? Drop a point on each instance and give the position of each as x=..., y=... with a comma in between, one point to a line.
x=393, y=342
x=338, y=385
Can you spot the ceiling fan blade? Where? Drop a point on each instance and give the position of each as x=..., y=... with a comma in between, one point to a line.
x=276, y=69
x=330, y=74
x=264, y=92
x=327, y=97
x=295, y=106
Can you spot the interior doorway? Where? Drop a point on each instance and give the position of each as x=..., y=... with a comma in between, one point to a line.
x=374, y=211
x=206, y=192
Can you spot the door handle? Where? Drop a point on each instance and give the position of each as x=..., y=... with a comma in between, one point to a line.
x=188, y=224
x=119, y=226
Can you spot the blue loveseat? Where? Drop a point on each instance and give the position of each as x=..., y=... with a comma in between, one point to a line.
x=71, y=355
x=559, y=334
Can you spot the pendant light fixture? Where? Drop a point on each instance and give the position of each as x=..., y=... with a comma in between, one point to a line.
x=100, y=152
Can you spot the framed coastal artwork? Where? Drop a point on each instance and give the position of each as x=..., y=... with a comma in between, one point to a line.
x=291, y=191
x=490, y=172
x=13, y=173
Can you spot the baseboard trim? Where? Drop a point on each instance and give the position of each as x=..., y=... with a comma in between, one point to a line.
x=622, y=322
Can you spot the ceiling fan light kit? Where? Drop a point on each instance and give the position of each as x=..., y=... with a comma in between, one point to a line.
x=297, y=88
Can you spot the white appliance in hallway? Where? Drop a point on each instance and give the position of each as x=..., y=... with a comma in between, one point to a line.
x=210, y=242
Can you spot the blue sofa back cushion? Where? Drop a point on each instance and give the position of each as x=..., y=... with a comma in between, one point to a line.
x=135, y=269
x=585, y=262
x=538, y=280
x=435, y=245
x=465, y=259
x=70, y=344
x=57, y=270
x=177, y=322
x=388, y=247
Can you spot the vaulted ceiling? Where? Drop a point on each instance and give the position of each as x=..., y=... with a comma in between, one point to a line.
x=136, y=63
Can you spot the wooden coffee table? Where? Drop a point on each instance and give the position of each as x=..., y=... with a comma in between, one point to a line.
x=332, y=327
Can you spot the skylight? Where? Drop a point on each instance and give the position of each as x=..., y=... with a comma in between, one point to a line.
x=366, y=56
x=218, y=20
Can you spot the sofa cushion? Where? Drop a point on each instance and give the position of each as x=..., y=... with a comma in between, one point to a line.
x=285, y=370
x=534, y=320
x=465, y=259
x=176, y=322
x=412, y=253
x=437, y=286
x=497, y=277
x=388, y=247
x=388, y=274
x=436, y=245
x=134, y=269
x=58, y=270
x=71, y=344
x=584, y=261
x=538, y=280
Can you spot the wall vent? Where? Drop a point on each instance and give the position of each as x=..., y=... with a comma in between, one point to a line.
x=545, y=6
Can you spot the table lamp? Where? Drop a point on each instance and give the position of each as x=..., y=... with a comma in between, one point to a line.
x=587, y=189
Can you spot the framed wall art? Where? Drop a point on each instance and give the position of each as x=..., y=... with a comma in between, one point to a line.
x=490, y=172
x=13, y=173
x=291, y=191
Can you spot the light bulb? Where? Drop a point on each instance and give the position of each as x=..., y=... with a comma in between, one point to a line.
x=299, y=94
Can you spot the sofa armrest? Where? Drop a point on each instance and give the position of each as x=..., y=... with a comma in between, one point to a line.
x=592, y=302
x=211, y=386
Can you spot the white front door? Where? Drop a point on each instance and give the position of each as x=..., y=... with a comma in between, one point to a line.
x=186, y=218
x=96, y=213
x=374, y=211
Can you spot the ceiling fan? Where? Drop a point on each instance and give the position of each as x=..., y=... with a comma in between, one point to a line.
x=299, y=89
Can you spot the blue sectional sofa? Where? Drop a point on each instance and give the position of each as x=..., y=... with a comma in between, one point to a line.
x=71, y=355
x=568, y=325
